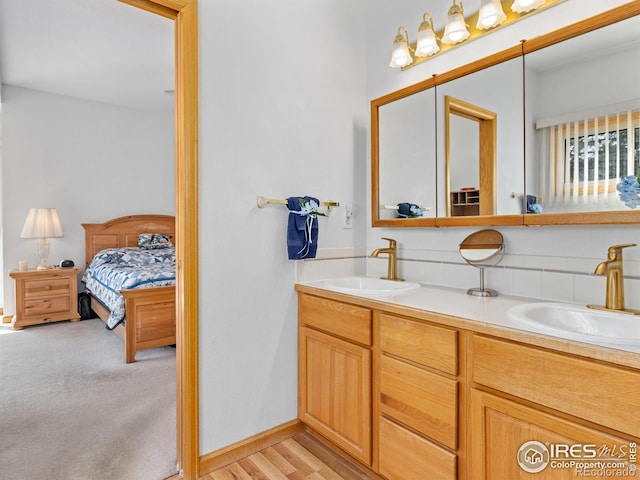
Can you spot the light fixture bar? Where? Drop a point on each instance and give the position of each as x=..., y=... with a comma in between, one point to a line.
x=474, y=32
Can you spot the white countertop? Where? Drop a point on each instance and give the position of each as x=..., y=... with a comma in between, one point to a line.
x=483, y=311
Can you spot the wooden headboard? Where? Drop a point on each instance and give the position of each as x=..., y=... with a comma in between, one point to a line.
x=123, y=232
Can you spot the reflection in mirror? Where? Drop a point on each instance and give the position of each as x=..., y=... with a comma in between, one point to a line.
x=583, y=104
x=492, y=97
x=406, y=162
x=482, y=249
x=470, y=135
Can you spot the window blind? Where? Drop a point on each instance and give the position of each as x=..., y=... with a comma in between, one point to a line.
x=587, y=155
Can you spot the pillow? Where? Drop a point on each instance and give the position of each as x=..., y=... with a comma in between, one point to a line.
x=151, y=241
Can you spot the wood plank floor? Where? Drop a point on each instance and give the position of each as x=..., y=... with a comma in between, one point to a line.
x=301, y=457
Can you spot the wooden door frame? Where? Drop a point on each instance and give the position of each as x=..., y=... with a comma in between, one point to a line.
x=185, y=15
x=487, y=127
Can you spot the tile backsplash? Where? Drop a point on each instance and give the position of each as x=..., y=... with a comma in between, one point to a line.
x=561, y=279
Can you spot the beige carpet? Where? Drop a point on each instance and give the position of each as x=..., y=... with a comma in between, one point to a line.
x=71, y=409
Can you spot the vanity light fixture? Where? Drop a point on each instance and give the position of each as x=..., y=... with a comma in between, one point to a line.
x=400, y=54
x=455, y=30
x=427, y=42
x=491, y=15
x=522, y=6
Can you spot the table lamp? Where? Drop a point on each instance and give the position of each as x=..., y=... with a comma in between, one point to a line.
x=42, y=223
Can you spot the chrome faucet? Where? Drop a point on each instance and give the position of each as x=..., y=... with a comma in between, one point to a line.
x=392, y=252
x=612, y=268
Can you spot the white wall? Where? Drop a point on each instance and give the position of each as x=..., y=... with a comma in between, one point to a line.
x=283, y=113
x=90, y=161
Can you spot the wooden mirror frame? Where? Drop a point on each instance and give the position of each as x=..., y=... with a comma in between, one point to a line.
x=375, y=154
x=603, y=19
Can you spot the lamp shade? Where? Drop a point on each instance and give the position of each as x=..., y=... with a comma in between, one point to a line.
x=42, y=223
x=490, y=15
x=400, y=54
x=427, y=43
x=455, y=30
x=523, y=6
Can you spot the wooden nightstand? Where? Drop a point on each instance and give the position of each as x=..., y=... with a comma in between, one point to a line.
x=44, y=296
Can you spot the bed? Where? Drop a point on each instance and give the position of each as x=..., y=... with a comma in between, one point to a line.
x=149, y=311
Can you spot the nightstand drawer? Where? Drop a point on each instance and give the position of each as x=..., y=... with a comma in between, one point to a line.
x=46, y=287
x=44, y=306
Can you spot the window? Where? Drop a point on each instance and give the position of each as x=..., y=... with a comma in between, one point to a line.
x=588, y=157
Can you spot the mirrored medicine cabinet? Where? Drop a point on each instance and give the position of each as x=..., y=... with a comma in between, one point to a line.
x=538, y=134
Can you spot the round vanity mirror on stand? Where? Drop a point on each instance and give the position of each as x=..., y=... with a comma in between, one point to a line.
x=482, y=249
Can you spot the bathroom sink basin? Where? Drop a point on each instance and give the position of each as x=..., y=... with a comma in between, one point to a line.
x=578, y=322
x=370, y=286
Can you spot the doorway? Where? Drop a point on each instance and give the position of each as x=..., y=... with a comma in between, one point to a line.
x=185, y=15
x=470, y=155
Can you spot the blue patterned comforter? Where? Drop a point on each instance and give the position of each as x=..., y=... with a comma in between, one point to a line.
x=116, y=269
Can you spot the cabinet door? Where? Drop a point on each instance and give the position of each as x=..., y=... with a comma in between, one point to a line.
x=506, y=435
x=335, y=391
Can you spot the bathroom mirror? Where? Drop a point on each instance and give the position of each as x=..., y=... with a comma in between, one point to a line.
x=583, y=108
x=482, y=249
x=404, y=148
x=501, y=76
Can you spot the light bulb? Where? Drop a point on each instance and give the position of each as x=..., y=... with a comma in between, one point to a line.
x=427, y=43
x=455, y=30
x=400, y=55
x=490, y=14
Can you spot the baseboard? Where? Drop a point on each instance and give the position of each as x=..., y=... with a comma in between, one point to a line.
x=227, y=455
x=7, y=319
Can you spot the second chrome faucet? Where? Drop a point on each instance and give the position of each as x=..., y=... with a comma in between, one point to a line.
x=392, y=266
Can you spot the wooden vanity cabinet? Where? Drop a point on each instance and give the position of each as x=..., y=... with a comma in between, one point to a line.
x=524, y=393
x=334, y=372
x=418, y=400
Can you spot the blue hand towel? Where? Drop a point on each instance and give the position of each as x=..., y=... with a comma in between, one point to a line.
x=302, y=230
x=409, y=210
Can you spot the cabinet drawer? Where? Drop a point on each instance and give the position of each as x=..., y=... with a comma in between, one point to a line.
x=428, y=345
x=46, y=287
x=597, y=392
x=407, y=456
x=341, y=319
x=45, y=306
x=423, y=400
